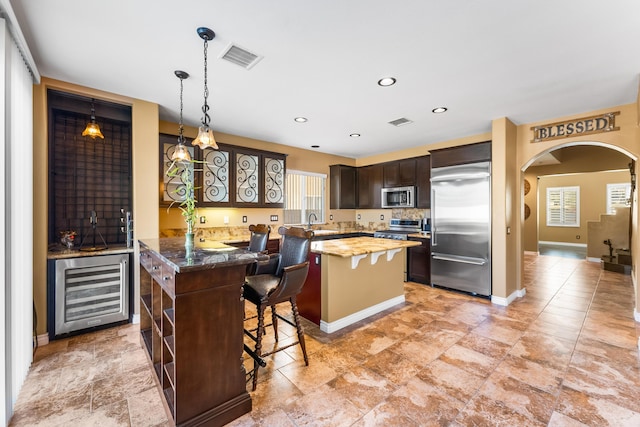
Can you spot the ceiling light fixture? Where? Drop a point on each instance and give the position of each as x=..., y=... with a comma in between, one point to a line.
x=181, y=153
x=439, y=110
x=205, y=137
x=92, y=129
x=355, y=135
x=300, y=119
x=386, y=81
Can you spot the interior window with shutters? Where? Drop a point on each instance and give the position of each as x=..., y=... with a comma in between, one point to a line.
x=563, y=207
x=618, y=196
x=305, y=194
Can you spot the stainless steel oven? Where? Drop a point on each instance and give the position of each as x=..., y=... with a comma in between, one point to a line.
x=90, y=291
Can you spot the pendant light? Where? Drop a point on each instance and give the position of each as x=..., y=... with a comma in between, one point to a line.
x=181, y=153
x=92, y=129
x=205, y=134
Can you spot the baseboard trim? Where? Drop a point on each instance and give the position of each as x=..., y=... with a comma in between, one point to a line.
x=42, y=339
x=573, y=245
x=135, y=319
x=519, y=293
x=592, y=259
x=330, y=327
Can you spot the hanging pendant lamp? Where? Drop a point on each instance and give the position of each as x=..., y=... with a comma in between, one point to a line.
x=181, y=153
x=92, y=129
x=205, y=137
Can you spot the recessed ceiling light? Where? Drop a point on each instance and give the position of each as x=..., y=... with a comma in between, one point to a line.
x=387, y=81
x=300, y=119
x=315, y=146
x=439, y=110
x=355, y=135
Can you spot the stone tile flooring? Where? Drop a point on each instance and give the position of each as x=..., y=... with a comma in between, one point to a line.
x=564, y=355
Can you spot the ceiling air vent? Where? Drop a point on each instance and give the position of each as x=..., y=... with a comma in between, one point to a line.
x=240, y=56
x=401, y=121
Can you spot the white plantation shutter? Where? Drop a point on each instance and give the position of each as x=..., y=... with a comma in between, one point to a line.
x=618, y=195
x=563, y=206
x=305, y=194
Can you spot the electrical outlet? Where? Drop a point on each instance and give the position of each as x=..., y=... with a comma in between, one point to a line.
x=244, y=218
x=203, y=219
x=226, y=220
x=359, y=216
x=330, y=217
x=274, y=217
x=381, y=217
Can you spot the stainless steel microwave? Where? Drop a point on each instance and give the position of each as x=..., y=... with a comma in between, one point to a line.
x=399, y=197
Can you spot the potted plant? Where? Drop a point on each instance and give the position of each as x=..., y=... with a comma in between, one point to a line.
x=187, y=206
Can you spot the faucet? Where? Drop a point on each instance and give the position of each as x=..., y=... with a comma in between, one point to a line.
x=314, y=215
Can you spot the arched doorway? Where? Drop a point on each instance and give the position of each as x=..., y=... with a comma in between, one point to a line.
x=591, y=165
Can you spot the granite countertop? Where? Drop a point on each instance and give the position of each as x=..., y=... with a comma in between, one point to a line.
x=358, y=246
x=57, y=251
x=205, y=255
x=421, y=235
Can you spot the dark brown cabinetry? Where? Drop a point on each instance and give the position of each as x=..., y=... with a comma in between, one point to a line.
x=369, y=186
x=230, y=176
x=343, y=182
x=423, y=182
x=309, y=299
x=419, y=262
x=399, y=173
x=191, y=325
x=462, y=154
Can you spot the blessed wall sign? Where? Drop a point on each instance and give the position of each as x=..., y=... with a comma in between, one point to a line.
x=578, y=127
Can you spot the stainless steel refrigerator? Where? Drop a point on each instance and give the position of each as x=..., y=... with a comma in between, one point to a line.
x=461, y=227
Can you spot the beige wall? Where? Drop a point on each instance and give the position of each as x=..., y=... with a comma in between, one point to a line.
x=626, y=140
x=145, y=140
x=593, y=202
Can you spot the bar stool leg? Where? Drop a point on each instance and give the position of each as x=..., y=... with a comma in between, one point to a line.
x=296, y=317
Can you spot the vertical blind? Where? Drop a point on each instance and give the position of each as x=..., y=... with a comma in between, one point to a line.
x=305, y=195
x=563, y=206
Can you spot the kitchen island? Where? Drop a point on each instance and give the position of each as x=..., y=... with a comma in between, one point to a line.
x=191, y=325
x=352, y=279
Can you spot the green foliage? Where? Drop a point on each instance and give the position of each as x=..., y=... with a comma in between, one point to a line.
x=188, y=205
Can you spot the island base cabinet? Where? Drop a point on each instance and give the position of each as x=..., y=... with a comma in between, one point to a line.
x=191, y=326
x=309, y=299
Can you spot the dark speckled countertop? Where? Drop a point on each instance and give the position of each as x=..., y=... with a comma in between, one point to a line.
x=205, y=255
x=57, y=251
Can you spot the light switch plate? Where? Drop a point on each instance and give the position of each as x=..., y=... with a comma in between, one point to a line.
x=244, y=218
x=274, y=217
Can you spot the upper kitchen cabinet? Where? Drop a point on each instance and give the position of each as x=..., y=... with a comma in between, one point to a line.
x=369, y=186
x=399, y=173
x=462, y=154
x=227, y=177
x=343, y=183
x=423, y=182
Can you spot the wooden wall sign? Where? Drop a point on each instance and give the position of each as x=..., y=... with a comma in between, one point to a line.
x=578, y=127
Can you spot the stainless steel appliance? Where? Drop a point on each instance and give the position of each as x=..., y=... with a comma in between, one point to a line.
x=399, y=197
x=461, y=227
x=400, y=228
x=89, y=291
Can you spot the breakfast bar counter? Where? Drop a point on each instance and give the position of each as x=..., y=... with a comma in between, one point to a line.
x=191, y=325
x=352, y=279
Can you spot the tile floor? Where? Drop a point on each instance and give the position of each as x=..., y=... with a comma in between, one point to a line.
x=564, y=355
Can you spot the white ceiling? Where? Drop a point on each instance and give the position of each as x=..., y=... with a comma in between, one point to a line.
x=526, y=60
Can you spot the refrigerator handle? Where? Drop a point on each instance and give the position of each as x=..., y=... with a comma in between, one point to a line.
x=434, y=228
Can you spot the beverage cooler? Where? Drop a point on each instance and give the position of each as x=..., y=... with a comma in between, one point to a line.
x=88, y=292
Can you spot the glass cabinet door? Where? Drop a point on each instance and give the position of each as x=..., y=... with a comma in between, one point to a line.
x=215, y=176
x=247, y=178
x=174, y=187
x=273, y=180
